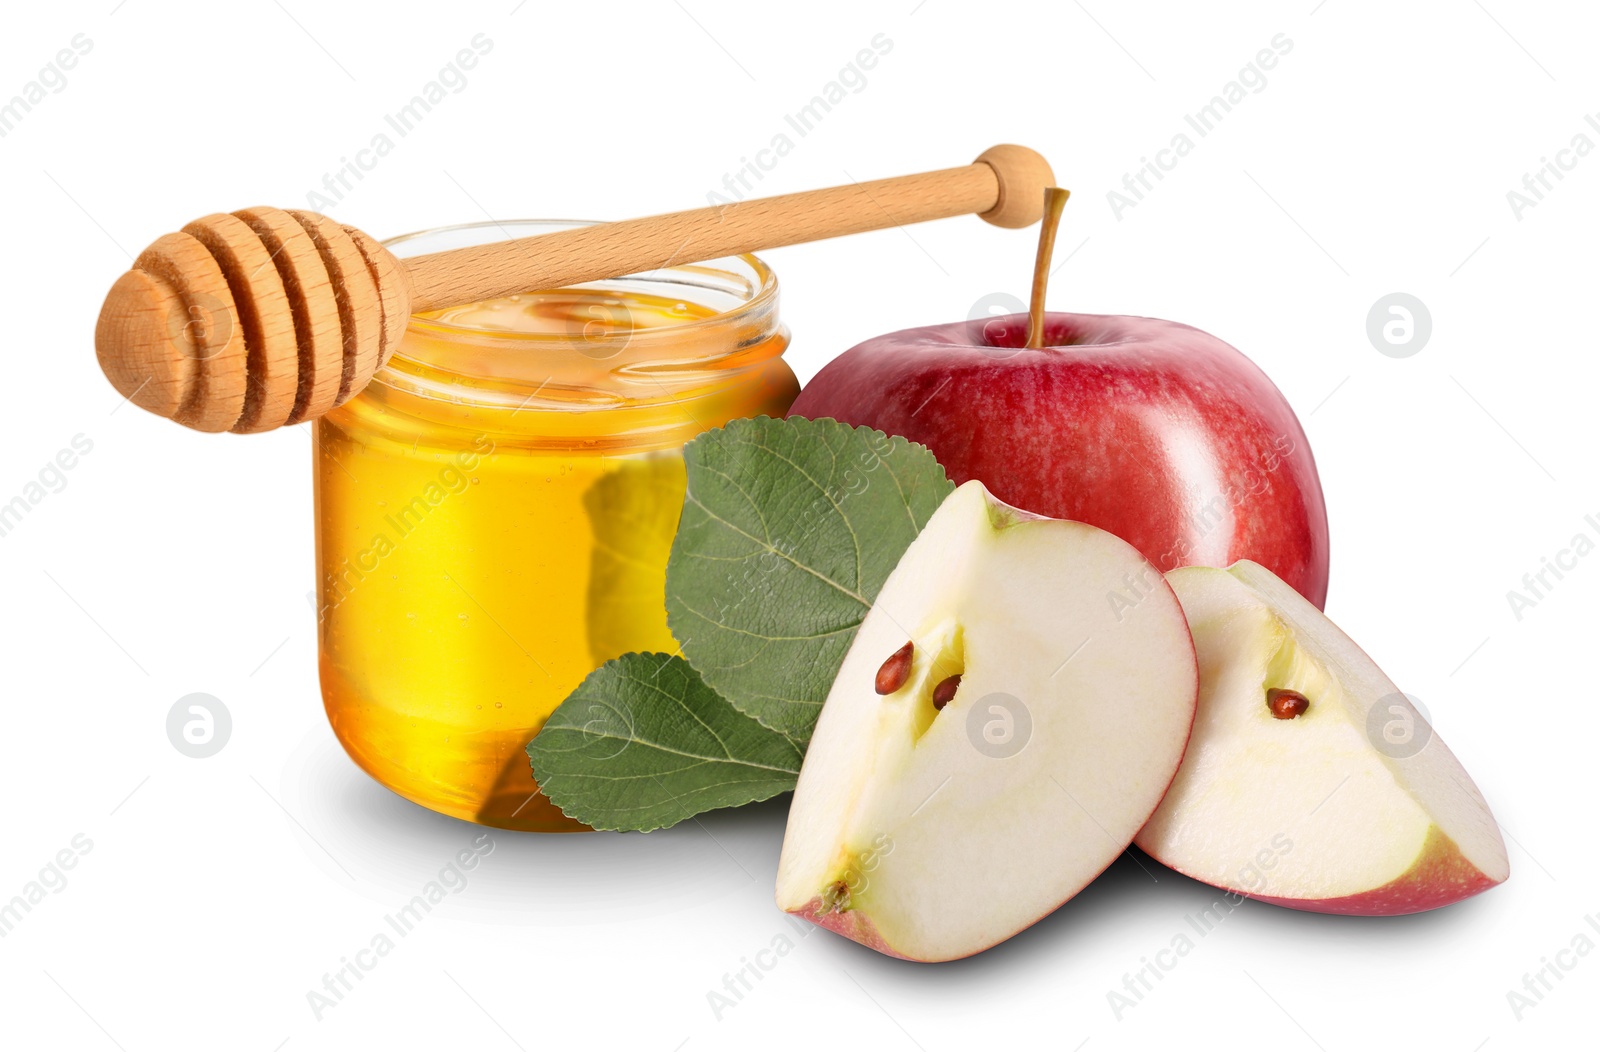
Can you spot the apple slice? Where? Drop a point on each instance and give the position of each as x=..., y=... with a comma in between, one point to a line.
x=1311, y=780
x=955, y=794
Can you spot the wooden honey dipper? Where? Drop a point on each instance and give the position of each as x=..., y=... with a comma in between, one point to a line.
x=260, y=318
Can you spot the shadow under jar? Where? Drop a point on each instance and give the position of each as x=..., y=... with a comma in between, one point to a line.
x=494, y=511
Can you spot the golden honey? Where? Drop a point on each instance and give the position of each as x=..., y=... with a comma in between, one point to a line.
x=495, y=510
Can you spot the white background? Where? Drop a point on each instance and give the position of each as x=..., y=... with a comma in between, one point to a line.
x=1377, y=159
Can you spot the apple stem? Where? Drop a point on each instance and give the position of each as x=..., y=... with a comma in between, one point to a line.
x=1055, y=199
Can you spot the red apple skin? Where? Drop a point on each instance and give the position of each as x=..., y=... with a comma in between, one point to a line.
x=849, y=923
x=1156, y=431
x=1441, y=875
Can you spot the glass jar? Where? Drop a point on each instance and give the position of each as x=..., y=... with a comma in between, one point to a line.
x=494, y=511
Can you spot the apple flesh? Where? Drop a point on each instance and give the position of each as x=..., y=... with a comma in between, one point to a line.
x=1352, y=806
x=1158, y=432
x=932, y=831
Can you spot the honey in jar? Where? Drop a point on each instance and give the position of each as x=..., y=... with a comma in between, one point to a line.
x=494, y=511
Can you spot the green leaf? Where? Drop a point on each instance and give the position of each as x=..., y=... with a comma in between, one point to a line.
x=789, y=529
x=644, y=743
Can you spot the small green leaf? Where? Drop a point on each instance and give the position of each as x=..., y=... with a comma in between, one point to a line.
x=789, y=529
x=644, y=743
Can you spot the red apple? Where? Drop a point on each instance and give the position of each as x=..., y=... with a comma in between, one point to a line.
x=1158, y=432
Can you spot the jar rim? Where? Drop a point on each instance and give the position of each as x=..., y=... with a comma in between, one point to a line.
x=762, y=279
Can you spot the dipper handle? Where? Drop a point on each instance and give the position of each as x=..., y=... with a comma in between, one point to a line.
x=1004, y=185
x=260, y=318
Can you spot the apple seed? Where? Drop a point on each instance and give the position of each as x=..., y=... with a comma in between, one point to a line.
x=892, y=673
x=1286, y=704
x=945, y=691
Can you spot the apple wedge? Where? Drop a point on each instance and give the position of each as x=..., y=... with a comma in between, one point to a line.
x=1013, y=707
x=1311, y=781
